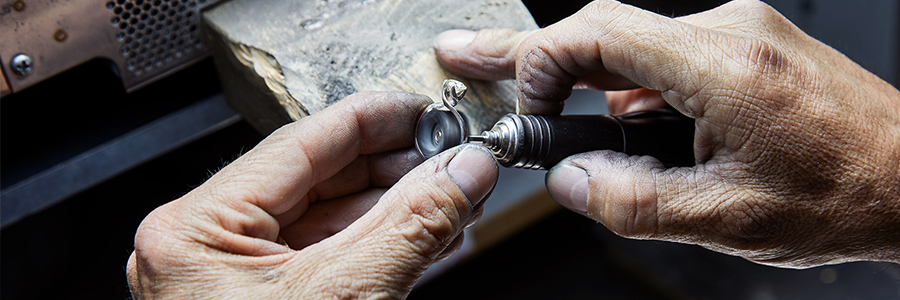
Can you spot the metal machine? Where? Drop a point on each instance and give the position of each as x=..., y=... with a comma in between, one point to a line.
x=142, y=40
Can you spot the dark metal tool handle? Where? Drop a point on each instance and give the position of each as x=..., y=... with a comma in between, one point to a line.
x=664, y=134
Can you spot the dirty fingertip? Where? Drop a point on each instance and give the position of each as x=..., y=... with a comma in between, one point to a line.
x=474, y=171
x=569, y=185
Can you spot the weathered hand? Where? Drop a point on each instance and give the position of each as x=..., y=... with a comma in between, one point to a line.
x=797, y=147
x=333, y=186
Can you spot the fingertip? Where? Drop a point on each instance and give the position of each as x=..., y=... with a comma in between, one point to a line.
x=569, y=185
x=624, y=191
x=487, y=54
x=474, y=171
x=454, y=39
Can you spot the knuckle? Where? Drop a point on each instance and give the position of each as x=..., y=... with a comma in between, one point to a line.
x=752, y=10
x=759, y=52
x=645, y=204
x=760, y=10
x=603, y=9
x=435, y=217
x=534, y=52
x=764, y=75
x=425, y=226
x=151, y=234
x=430, y=218
x=591, y=13
x=539, y=75
x=763, y=57
x=759, y=61
x=500, y=57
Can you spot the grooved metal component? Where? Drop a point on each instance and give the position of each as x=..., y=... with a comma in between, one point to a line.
x=520, y=141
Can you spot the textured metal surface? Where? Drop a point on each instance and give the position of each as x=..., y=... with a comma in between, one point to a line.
x=519, y=141
x=156, y=34
x=142, y=39
x=504, y=140
x=111, y=158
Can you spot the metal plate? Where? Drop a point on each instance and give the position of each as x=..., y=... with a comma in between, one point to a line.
x=142, y=39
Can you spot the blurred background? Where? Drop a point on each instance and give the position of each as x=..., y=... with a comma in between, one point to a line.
x=151, y=146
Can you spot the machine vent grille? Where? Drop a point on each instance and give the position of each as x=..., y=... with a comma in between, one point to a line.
x=154, y=34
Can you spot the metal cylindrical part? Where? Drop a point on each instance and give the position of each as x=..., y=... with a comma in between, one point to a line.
x=521, y=141
x=540, y=142
x=537, y=142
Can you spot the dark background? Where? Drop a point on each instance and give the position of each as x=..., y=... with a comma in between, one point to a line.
x=78, y=248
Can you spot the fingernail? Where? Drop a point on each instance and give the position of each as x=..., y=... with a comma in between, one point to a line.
x=455, y=39
x=568, y=185
x=474, y=171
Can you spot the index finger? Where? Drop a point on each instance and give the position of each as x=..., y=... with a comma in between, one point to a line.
x=607, y=40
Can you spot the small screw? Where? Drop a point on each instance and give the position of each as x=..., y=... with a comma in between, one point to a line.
x=60, y=35
x=18, y=5
x=21, y=64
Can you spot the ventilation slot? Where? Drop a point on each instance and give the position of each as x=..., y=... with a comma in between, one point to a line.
x=156, y=33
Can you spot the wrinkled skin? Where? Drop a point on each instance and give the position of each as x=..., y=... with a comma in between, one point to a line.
x=797, y=147
x=343, y=187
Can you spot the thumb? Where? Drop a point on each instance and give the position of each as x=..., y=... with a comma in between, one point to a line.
x=635, y=196
x=488, y=54
x=385, y=251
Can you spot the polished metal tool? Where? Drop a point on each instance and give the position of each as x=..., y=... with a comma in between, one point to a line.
x=540, y=142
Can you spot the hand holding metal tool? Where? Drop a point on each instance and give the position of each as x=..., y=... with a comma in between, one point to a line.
x=540, y=142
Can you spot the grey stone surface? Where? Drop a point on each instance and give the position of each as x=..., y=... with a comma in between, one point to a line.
x=321, y=51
